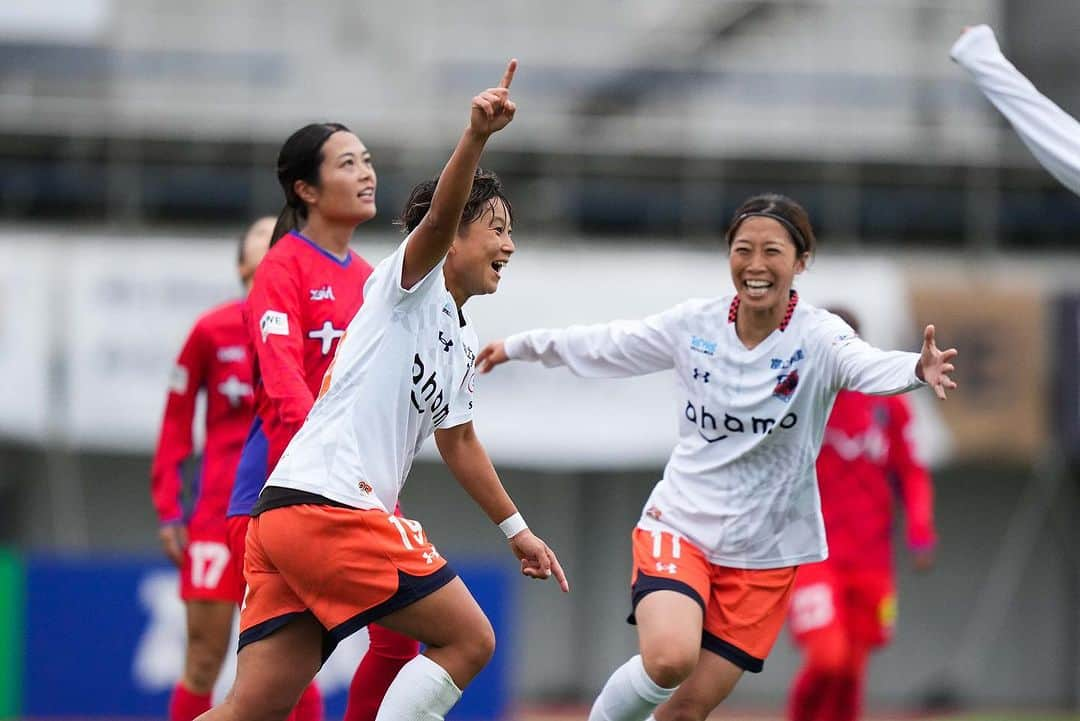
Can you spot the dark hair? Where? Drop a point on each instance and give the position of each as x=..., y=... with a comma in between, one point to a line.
x=299, y=159
x=845, y=315
x=486, y=189
x=783, y=210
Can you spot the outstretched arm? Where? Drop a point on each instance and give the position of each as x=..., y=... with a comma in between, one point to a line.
x=608, y=350
x=492, y=110
x=1051, y=134
x=469, y=462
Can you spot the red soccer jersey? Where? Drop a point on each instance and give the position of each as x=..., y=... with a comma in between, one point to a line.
x=215, y=358
x=865, y=452
x=302, y=300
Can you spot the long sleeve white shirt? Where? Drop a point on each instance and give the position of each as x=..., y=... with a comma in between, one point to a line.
x=1052, y=135
x=740, y=483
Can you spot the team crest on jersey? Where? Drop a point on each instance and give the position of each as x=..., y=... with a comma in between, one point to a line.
x=708, y=347
x=273, y=322
x=654, y=513
x=365, y=487
x=235, y=390
x=324, y=293
x=448, y=310
x=786, y=385
x=231, y=354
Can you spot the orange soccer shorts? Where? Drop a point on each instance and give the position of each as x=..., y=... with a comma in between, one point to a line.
x=345, y=566
x=744, y=608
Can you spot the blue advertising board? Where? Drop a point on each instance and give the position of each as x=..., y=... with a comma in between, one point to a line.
x=105, y=637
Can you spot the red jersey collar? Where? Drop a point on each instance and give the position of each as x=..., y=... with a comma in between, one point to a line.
x=793, y=300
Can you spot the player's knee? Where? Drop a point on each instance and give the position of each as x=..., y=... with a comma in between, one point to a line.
x=668, y=667
x=685, y=709
x=203, y=665
x=479, y=647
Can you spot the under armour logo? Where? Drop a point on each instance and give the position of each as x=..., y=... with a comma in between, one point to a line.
x=670, y=568
x=446, y=344
x=327, y=334
x=430, y=556
x=703, y=375
x=235, y=390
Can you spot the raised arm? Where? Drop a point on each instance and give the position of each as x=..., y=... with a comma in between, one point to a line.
x=1051, y=134
x=608, y=350
x=466, y=458
x=492, y=110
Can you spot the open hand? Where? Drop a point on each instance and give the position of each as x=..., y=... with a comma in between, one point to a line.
x=935, y=365
x=492, y=110
x=537, y=560
x=493, y=354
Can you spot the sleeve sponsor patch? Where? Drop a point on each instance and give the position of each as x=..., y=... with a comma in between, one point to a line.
x=178, y=379
x=273, y=322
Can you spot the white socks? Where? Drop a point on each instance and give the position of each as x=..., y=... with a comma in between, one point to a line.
x=629, y=695
x=422, y=691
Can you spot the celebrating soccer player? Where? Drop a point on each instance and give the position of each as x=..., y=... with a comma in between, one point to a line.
x=325, y=554
x=215, y=360
x=1051, y=134
x=737, y=510
x=845, y=607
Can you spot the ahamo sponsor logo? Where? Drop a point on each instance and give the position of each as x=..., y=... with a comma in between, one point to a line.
x=713, y=428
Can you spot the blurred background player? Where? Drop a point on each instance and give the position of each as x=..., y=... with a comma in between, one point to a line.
x=1052, y=135
x=403, y=372
x=736, y=512
x=305, y=293
x=214, y=359
x=844, y=607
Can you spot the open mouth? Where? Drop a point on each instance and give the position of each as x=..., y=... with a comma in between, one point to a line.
x=498, y=266
x=368, y=193
x=757, y=288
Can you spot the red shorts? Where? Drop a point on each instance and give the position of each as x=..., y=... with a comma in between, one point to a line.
x=208, y=573
x=346, y=567
x=744, y=608
x=862, y=603
x=236, y=529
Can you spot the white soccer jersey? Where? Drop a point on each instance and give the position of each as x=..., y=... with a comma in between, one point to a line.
x=403, y=369
x=1051, y=134
x=740, y=483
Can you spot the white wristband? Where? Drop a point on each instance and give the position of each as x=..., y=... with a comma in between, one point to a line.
x=513, y=525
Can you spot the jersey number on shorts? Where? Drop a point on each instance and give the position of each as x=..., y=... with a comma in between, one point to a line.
x=208, y=562
x=666, y=566
x=812, y=608
x=412, y=531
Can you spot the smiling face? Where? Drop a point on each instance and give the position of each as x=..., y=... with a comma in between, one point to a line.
x=346, y=189
x=481, y=251
x=764, y=262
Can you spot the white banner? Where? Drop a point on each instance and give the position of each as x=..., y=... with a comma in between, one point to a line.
x=26, y=327
x=130, y=307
